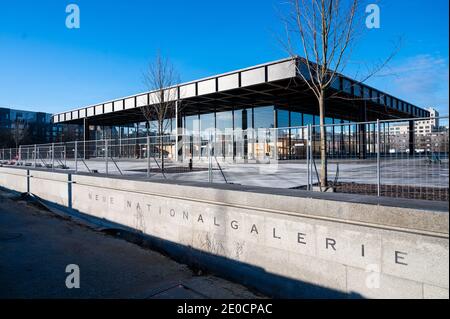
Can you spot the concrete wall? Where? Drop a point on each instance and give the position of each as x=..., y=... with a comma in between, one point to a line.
x=284, y=244
x=14, y=179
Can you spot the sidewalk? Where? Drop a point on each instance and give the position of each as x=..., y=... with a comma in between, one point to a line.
x=36, y=246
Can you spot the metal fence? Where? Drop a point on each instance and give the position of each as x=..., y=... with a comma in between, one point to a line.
x=396, y=158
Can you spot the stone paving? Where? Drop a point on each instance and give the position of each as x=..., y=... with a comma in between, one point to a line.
x=281, y=174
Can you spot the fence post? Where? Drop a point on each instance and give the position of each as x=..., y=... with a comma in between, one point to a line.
x=106, y=156
x=120, y=142
x=53, y=156
x=176, y=131
x=76, y=156
x=210, y=177
x=307, y=160
x=311, y=156
x=378, y=160
x=148, y=156
x=35, y=156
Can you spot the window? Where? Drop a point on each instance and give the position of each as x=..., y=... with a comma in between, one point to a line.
x=224, y=120
x=283, y=118
x=307, y=119
x=357, y=90
x=347, y=86
x=296, y=119
x=366, y=92
x=374, y=96
x=395, y=103
x=243, y=115
x=264, y=117
x=192, y=124
x=336, y=83
x=207, y=122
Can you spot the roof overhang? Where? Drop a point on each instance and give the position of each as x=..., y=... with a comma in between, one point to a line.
x=275, y=83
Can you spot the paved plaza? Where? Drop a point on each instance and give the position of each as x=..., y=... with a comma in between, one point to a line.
x=279, y=174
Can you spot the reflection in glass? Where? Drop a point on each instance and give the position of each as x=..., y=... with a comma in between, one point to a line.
x=264, y=117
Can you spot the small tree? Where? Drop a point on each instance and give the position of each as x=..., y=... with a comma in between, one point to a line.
x=19, y=131
x=326, y=32
x=161, y=79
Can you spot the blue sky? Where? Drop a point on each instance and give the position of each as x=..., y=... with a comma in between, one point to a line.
x=45, y=66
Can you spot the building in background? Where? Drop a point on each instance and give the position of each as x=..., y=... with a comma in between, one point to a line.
x=429, y=135
x=20, y=127
x=428, y=126
x=421, y=127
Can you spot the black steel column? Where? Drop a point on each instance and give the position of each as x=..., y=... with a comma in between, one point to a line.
x=244, y=129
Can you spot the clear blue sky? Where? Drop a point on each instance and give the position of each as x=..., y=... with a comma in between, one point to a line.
x=45, y=66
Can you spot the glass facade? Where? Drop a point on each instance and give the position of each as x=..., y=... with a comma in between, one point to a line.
x=264, y=117
x=249, y=133
x=19, y=127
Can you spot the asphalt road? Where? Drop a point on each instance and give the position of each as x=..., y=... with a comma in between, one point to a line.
x=36, y=246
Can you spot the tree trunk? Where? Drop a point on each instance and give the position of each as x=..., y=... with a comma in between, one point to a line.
x=161, y=146
x=323, y=143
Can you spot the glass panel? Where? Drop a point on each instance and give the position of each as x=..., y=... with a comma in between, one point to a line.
x=347, y=86
x=207, y=122
x=336, y=83
x=296, y=119
x=357, y=89
x=191, y=124
x=308, y=119
x=366, y=93
x=283, y=118
x=264, y=117
x=242, y=114
x=224, y=120
x=316, y=120
x=374, y=96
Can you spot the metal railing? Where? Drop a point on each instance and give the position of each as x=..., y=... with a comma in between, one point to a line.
x=395, y=158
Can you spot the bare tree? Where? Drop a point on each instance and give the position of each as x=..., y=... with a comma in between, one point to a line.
x=19, y=131
x=326, y=31
x=161, y=79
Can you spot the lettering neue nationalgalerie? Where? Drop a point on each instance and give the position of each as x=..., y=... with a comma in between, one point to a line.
x=400, y=257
